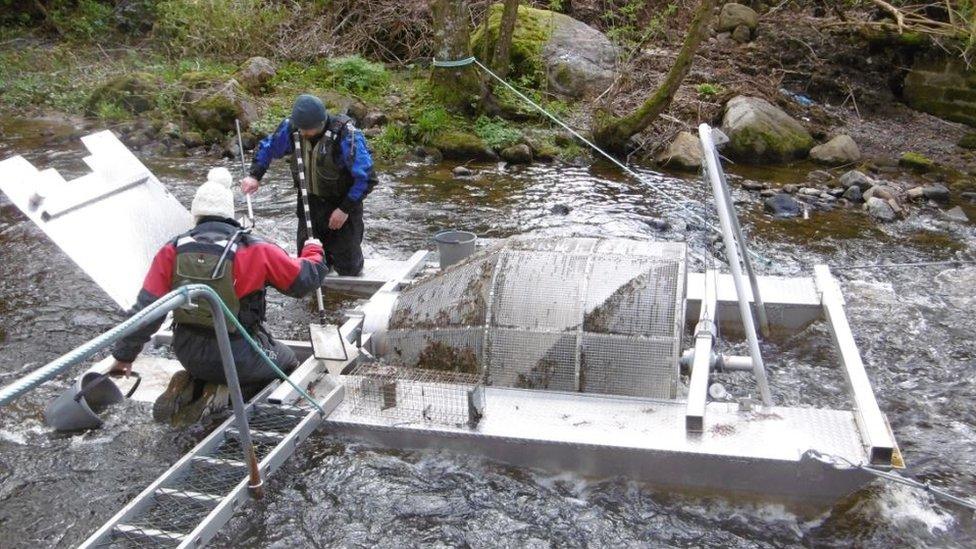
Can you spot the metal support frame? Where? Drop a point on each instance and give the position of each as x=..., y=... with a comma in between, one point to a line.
x=871, y=423
x=705, y=334
x=737, y=230
x=732, y=253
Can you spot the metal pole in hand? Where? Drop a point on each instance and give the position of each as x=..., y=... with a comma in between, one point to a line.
x=240, y=148
x=255, y=482
x=303, y=196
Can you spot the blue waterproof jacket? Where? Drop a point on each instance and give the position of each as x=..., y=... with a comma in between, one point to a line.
x=354, y=156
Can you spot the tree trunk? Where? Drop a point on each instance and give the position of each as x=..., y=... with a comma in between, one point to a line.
x=458, y=88
x=613, y=133
x=500, y=62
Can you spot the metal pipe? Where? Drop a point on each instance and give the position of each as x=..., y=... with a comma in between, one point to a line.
x=759, y=369
x=730, y=363
x=704, y=339
x=737, y=230
x=240, y=148
x=256, y=484
x=52, y=369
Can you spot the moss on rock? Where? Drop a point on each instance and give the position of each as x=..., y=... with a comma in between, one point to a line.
x=968, y=141
x=133, y=92
x=532, y=30
x=916, y=162
x=458, y=145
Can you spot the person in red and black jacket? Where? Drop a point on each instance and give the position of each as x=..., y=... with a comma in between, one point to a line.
x=239, y=266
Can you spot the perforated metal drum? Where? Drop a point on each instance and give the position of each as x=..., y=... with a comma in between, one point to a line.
x=573, y=314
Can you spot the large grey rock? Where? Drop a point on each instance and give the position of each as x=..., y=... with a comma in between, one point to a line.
x=255, y=74
x=684, y=153
x=734, y=15
x=855, y=177
x=579, y=60
x=761, y=133
x=839, y=150
x=879, y=209
x=782, y=205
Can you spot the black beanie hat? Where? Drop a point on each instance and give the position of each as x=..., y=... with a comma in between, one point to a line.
x=308, y=112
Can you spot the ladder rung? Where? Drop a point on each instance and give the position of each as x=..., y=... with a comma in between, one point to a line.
x=218, y=462
x=258, y=435
x=158, y=536
x=189, y=494
x=286, y=408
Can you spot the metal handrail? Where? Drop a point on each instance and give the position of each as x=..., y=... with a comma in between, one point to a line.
x=725, y=216
x=177, y=298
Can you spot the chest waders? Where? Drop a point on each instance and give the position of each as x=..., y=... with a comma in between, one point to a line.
x=210, y=261
x=325, y=176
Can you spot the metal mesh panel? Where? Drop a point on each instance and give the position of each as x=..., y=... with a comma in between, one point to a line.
x=134, y=540
x=631, y=297
x=539, y=291
x=448, y=349
x=547, y=301
x=457, y=299
x=532, y=360
x=414, y=395
x=212, y=478
x=621, y=365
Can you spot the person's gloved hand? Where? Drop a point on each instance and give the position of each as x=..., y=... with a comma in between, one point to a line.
x=315, y=241
x=120, y=368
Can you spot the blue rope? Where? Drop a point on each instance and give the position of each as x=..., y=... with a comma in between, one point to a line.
x=453, y=63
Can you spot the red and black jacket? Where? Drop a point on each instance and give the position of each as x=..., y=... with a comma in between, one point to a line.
x=257, y=264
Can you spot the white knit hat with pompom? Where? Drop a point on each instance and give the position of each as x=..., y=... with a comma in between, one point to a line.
x=214, y=198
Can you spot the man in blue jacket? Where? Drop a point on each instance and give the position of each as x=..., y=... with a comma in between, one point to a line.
x=339, y=171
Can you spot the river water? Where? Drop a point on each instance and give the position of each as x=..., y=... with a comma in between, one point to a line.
x=914, y=327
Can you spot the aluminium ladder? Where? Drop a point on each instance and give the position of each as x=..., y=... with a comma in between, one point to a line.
x=190, y=502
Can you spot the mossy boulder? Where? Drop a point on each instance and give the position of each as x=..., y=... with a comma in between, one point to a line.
x=968, y=141
x=761, y=133
x=133, y=92
x=255, y=74
x=552, y=48
x=215, y=106
x=916, y=162
x=458, y=145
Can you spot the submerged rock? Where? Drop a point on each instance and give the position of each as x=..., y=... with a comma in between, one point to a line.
x=684, y=153
x=879, y=209
x=855, y=177
x=957, y=214
x=517, y=154
x=782, y=205
x=462, y=171
x=760, y=132
x=839, y=150
x=560, y=209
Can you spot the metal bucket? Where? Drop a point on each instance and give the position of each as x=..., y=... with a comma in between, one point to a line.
x=453, y=246
x=73, y=410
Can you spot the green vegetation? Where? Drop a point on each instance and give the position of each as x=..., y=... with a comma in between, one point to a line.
x=915, y=161
x=496, y=133
x=630, y=25
x=707, y=91
x=218, y=27
x=431, y=122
